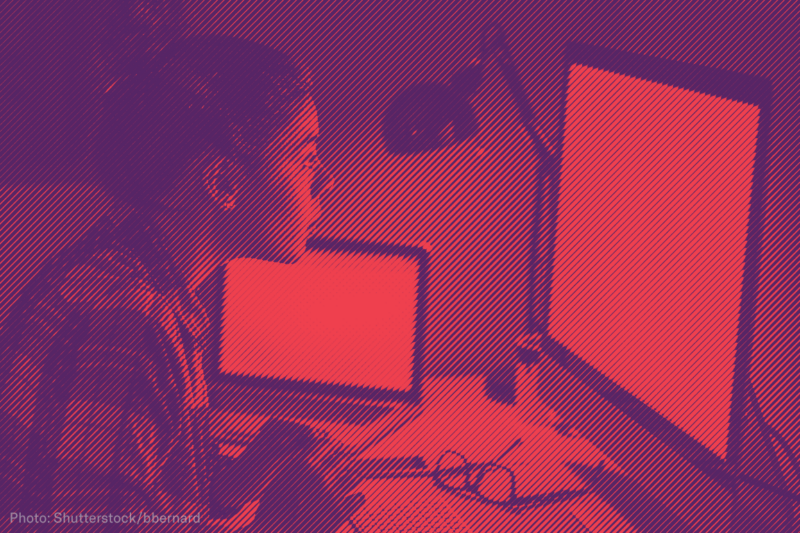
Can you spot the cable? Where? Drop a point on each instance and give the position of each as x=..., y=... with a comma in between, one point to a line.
x=786, y=450
x=767, y=434
x=772, y=433
x=773, y=456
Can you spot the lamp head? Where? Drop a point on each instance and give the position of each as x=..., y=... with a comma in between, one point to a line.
x=431, y=116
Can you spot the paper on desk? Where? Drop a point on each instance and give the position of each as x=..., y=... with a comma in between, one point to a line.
x=598, y=516
x=458, y=416
x=406, y=505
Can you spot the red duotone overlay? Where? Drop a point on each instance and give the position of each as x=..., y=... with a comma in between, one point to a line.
x=653, y=305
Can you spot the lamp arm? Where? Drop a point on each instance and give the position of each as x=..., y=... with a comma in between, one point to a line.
x=493, y=44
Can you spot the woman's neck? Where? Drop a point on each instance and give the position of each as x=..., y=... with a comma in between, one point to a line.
x=188, y=241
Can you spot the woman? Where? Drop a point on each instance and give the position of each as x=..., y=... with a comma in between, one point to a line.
x=210, y=152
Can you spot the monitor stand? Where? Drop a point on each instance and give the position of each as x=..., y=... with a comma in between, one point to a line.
x=660, y=490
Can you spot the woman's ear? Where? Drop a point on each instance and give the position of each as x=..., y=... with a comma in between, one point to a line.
x=222, y=180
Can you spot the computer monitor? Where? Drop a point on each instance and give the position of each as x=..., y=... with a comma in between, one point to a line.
x=650, y=242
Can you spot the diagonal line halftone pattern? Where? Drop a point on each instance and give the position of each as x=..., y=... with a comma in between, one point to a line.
x=360, y=56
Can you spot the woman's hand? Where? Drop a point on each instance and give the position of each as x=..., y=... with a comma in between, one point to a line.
x=301, y=479
x=300, y=499
x=277, y=446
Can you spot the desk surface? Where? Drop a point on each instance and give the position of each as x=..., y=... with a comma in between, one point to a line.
x=458, y=416
x=405, y=494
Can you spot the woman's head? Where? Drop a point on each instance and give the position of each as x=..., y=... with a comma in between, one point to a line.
x=224, y=130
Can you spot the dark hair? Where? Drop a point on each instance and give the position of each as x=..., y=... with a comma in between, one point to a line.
x=220, y=92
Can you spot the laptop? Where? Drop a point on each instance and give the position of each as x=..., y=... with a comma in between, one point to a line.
x=648, y=260
x=334, y=342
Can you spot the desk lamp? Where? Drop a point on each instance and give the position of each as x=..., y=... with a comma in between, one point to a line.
x=427, y=117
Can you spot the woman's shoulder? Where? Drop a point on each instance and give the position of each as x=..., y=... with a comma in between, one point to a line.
x=97, y=296
x=99, y=275
x=106, y=280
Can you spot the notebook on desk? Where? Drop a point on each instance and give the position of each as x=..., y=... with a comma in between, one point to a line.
x=334, y=341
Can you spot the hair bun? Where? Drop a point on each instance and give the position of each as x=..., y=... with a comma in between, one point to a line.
x=136, y=32
x=216, y=92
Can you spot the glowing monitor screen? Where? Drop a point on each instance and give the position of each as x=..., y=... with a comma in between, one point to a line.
x=650, y=242
x=332, y=318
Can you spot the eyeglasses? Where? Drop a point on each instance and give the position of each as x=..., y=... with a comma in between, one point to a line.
x=493, y=483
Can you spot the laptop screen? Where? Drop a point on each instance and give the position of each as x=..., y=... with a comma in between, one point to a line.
x=650, y=242
x=334, y=318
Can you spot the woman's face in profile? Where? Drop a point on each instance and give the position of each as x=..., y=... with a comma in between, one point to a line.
x=280, y=207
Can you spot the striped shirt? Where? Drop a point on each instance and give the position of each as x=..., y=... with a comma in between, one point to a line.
x=104, y=402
